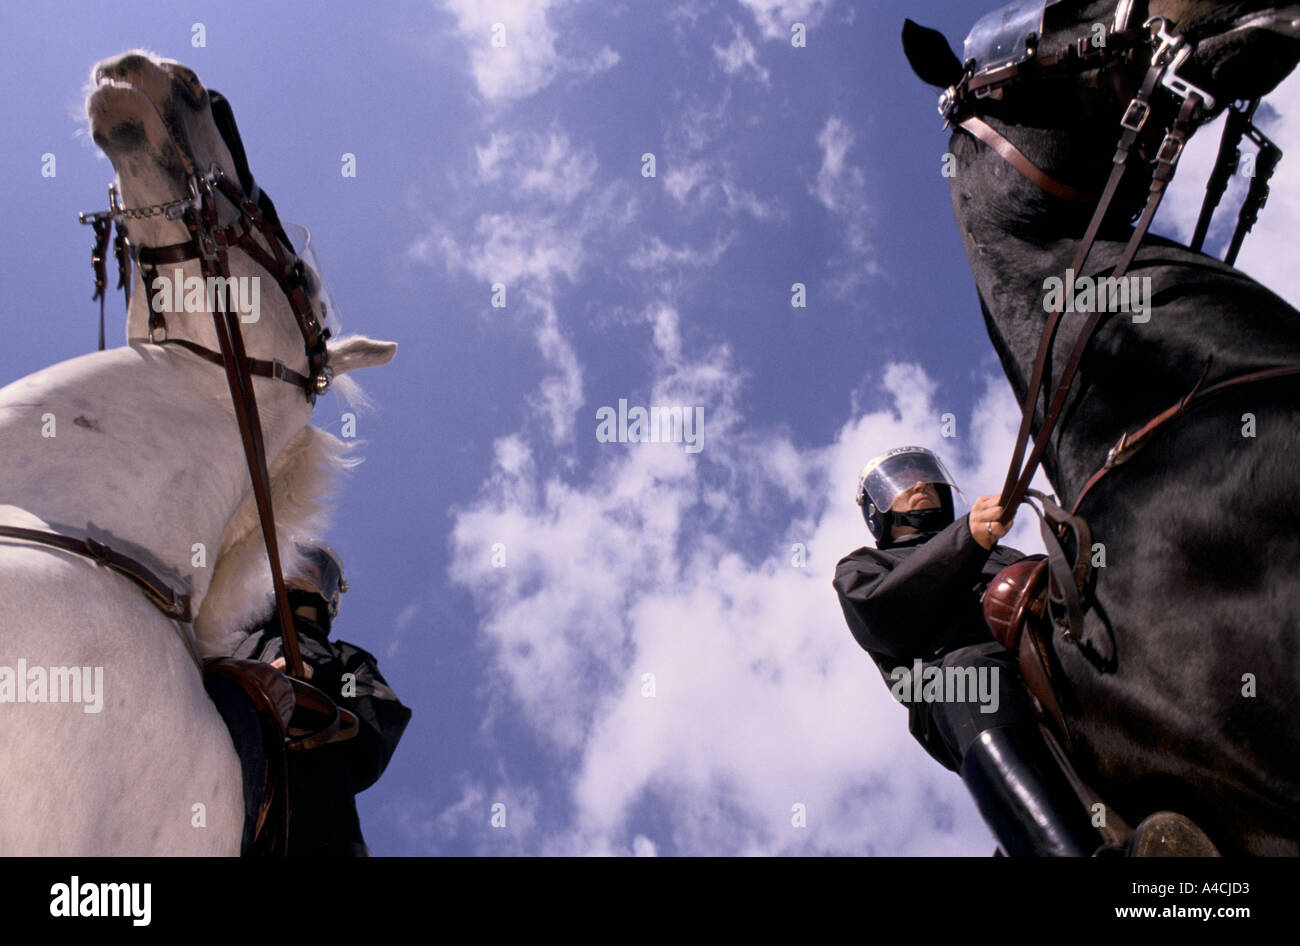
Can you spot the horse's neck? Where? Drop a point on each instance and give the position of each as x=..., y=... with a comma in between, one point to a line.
x=1016, y=237
x=138, y=445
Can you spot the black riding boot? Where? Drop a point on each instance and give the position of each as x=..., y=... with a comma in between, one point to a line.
x=1025, y=797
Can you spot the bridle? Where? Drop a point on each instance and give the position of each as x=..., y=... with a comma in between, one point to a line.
x=1169, y=51
x=210, y=244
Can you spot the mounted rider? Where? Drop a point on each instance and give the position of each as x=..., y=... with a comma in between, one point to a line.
x=913, y=603
x=324, y=781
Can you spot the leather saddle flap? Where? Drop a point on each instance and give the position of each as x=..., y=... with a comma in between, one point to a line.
x=1010, y=598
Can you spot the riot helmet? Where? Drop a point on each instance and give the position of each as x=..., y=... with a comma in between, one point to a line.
x=320, y=575
x=893, y=473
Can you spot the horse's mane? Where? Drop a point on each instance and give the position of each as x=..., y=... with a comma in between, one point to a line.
x=302, y=478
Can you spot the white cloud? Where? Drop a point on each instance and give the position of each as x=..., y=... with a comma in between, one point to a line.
x=775, y=17
x=740, y=55
x=468, y=821
x=682, y=179
x=838, y=183
x=762, y=698
x=511, y=248
x=532, y=251
x=529, y=60
x=709, y=184
x=528, y=254
x=546, y=166
x=840, y=187
x=654, y=253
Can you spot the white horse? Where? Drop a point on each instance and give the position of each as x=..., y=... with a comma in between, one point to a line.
x=138, y=447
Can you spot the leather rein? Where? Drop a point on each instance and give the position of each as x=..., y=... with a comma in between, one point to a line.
x=210, y=244
x=1170, y=52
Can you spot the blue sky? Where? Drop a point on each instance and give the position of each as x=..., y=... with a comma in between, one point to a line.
x=522, y=165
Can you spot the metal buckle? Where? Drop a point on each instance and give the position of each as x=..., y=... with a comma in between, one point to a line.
x=1170, y=148
x=1130, y=123
x=207, y=246
x=278, y=369
x=158, y=334
x=1176, y=84
x=1160, y=34
x=1116, y=454
x=947, y=102
x=1172, y=43
x=323, y=379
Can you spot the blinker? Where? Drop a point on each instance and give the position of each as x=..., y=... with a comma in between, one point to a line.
x=1006, y=36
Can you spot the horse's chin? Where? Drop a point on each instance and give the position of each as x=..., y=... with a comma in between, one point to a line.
x=121, y=122
x=1244, y=65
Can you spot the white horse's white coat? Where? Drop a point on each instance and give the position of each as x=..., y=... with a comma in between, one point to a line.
x=146, y=457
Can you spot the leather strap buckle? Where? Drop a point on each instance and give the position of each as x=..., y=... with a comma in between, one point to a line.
x=1115, y=456
x=1171, y=148
x=97, y=551
x=1135, y=116
x=323, y=379
x=207, y=245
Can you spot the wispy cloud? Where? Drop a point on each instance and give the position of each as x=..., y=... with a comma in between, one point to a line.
x=545, y=166
x=840, y=186
x=512, y=46
x=775, y=17
x=739, y=56
x=632, y=581
x=655, y=254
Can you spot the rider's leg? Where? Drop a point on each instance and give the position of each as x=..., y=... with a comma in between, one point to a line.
x=1017, y=784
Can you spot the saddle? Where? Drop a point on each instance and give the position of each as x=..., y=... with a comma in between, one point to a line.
x=1014, y=606
x=270, y=714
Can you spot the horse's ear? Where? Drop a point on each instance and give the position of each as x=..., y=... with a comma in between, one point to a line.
x=357, y=351
x=930, y=56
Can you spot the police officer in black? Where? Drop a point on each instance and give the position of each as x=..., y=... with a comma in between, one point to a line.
x=324, y=781
x=916, y=597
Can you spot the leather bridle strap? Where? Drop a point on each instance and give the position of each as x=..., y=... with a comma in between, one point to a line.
x=98, y=262
x=1013, y=156
x=151, y=257
x=235, y=362
x=171, y=602
x=1131, y=443
x=250, y=431
x=1134, y=119
x=275, y=368
x=1167, y=161
x=1266, y=162
x=1225, y=164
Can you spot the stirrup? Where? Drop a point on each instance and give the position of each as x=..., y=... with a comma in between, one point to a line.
x=1169, y=834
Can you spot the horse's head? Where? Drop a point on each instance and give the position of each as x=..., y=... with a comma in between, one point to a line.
x=1241, y=50
x=154, y=119
x=1054, y=79
x=162, y=129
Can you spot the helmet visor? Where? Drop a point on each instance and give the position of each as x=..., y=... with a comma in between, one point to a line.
x=327, y=310
x=888, y=477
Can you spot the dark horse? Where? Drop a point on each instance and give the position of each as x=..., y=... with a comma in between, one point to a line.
x=1182, y=692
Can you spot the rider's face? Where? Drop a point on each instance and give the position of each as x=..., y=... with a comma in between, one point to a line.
x=920, y=496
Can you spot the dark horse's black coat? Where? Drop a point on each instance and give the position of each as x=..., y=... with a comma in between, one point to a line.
x=1184, y=692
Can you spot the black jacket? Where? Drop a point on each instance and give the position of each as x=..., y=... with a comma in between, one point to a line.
x=323, y=781
x=919, y=599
